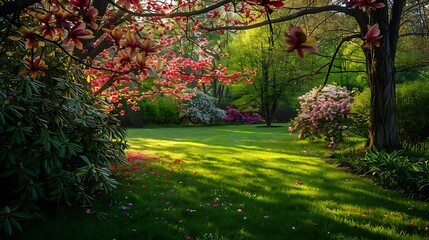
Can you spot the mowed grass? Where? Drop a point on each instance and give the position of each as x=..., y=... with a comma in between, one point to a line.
x=237, y=182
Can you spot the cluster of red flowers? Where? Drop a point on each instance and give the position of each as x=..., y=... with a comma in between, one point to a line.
x=142, y=46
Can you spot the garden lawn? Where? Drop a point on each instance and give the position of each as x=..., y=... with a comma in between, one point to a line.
x=237, y=182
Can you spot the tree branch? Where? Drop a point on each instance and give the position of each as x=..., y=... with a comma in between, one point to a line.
x=172, y=15
x=301, y=13
x=106, y=85
x=15, y=6
x=395, y=20
x=331, y=63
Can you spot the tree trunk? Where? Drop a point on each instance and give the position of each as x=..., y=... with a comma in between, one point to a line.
x=383, y=133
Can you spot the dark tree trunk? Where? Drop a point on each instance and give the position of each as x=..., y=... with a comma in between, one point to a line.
x=265, y=91
x=383, y=127
x=383, y=133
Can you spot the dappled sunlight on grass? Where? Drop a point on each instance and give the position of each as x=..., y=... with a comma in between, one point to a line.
x=270, y=177
x=224, y=183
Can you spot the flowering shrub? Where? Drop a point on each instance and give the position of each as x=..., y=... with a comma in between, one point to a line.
x=202, y=108
x=234, y=115
x=323, y=113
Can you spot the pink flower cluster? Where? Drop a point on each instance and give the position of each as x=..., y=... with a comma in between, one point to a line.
x=323, y=113
x=234, y=115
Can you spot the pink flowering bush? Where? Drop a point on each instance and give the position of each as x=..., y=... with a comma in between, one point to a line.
x=323, y=113
x=234, y=115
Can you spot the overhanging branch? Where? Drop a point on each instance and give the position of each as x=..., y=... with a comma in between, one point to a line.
x=174, y=14
x=331, y=63
x=15, y=6
x=306, y=11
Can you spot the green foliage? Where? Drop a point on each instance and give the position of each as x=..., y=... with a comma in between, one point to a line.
x=56, y=146
x=161, y=111
x=413, y=111
x=394, y=170
x=412, y=99
x=359, y=114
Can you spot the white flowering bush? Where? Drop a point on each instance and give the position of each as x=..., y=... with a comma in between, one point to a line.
x=323, y=113
x=202, y=108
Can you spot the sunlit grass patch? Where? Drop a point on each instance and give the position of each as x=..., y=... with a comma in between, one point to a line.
x=238, y=182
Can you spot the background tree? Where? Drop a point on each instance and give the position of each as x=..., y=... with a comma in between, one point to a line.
x=277, y=71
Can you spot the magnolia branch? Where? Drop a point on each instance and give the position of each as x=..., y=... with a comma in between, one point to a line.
x=15, y=6
x=106, y=85
x=174, y=14
x=292, y=16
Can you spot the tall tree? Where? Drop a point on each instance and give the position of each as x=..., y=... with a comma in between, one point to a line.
x=264, y=50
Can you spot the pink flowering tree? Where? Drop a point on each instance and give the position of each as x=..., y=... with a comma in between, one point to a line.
x=323, y=112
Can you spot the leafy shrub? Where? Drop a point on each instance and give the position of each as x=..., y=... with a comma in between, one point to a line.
x=168, y=111
x=149, y=111
x=162, y=110
x=56, y=146
x=394, y=170
x=412, y=107
x=234, y=115
x=359, y=113
x=323, y=113
x=202, y=108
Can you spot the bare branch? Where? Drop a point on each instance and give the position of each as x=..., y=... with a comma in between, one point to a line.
x=331, y=63
x=419, y=34
x=298, y=14
x=106, y=85
x=397, y=9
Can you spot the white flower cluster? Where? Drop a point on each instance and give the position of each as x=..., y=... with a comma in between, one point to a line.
x=202, y=108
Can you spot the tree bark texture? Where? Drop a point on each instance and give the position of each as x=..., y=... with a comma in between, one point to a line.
x=383, y=133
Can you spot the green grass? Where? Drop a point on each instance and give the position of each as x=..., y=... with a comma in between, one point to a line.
x=238, y=182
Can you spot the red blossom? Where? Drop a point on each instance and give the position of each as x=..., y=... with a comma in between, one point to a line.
x=64, y=18
x=81, y=4
x=131, y=41
x=29, y=35
x=115, y=35
x=142, y=65
x=34, y=67
x=148, y=46
x=91, y=17
x=372, y=36
x=124, y=58
x=127, y=3
x=298, y=40
x=48, y=29
x=77, y=33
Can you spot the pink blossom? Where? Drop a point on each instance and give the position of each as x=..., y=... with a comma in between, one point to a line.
x=298, y=40
x=372, y=36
